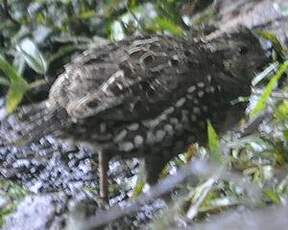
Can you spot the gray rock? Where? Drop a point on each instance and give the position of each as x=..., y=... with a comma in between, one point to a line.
x=37, y=213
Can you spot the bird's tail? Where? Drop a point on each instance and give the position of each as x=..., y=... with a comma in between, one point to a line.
x=31, y=123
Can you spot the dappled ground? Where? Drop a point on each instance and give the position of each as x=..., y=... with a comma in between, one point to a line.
x=64, y=176
x=46, y=180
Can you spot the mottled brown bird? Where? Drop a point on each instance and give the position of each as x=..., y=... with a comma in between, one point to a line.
x=150, y=96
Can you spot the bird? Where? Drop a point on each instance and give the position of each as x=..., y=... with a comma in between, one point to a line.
x=149, y=96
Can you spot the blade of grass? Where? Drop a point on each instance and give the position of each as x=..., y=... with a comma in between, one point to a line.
x=167, y=25
x=275, y=41
x=214, y=144
x=260, y=105
x=14, y=96
x=18, y=85
x=9, y=70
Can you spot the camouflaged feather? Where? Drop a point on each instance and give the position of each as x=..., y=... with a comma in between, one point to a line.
x=150, y=96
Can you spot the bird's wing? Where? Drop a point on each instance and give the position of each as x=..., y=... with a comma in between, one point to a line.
x=127, y=81
x=137, y=79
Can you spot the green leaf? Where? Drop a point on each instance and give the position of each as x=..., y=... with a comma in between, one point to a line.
x=213, y=143
x=9, y=70
x=13, y=193
x=87, y=14
x=15, y=95
x=165, y=24
x=140, y=183
x=33, y=57
x=138, y=188
x=18, y=86
x=260, y=105
x=132, y=3
x=281, y=112
x=272, y=196
x=285, y=133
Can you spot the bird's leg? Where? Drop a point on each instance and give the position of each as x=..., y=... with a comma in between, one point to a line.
x=154, y=166
x=103, y=168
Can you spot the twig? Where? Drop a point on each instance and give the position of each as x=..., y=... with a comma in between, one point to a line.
x=253, y=125
x=275, y=94
x=203, y=192
x=271, y=69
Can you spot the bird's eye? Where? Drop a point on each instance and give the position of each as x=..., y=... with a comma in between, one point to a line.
x=93, y=104
x=243, y=50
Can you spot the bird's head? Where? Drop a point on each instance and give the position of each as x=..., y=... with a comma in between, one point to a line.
x=241, y=54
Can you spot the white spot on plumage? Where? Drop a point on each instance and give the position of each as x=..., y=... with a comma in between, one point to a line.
x=150, y=139
x=120, y=136
x=160, y=134
x=211, y=89
x=200, y=93
x=180, y=102
x=191, y=89
x=169, y=110
x=126, y=146
x=209, y=78
x=112, y=79
x=145, y=41
x=153, y=123
x=185, y=114
x=138, y=140
x=169, y=129
x=179, y=127
x=196, y=110
x=133, y=127
x=200, y=84
x=103, y=127
x=195, y=101
x=174, y=120
x=189, y=97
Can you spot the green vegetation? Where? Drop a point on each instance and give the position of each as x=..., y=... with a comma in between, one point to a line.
x=10, y=195
x=38, y=37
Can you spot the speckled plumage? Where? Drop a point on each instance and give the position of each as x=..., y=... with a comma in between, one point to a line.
x=151, y=96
